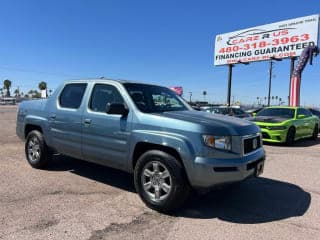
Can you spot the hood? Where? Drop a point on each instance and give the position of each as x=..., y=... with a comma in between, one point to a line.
x=214, y=123
x=268, y=119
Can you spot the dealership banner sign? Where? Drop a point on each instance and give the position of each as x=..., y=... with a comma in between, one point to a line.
x=280, y=40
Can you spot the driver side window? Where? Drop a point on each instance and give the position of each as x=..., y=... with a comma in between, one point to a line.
x=101, y=95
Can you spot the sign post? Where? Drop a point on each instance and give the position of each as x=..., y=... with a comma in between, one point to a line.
x=230, y=66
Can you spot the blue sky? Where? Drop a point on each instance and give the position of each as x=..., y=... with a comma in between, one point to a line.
x=165, y=42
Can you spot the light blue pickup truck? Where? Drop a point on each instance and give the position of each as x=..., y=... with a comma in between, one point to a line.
x=143, y=129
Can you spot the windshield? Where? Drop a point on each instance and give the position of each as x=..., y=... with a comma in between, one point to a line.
x=223, y=111
x=277, y=112
x=227, y=111
x=150, y=98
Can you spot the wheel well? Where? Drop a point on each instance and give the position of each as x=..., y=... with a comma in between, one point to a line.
x=143, y=147
x=31, y=127
x=292, y=127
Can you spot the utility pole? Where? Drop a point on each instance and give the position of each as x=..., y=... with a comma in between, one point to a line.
x=270, y=79
x=270, y=76
x=190, y=95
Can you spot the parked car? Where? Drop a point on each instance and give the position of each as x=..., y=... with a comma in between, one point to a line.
x=252, y=112
x=286, y=124
x=8, y=101
x=224, y=110
x=314, y=112
x=143, y=129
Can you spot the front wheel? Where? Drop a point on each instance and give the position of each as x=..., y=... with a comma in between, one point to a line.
x=37, y=152
x=160, y=181
x=315, y=132
x=290, y=136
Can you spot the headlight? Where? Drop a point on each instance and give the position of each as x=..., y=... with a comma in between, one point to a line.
x=276, y=127
x=261, y=138
x=218, y=142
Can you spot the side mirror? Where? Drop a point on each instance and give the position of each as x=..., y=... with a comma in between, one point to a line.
x=117, y=109
x=301, y=116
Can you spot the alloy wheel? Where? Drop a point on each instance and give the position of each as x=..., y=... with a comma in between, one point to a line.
x=156, y=181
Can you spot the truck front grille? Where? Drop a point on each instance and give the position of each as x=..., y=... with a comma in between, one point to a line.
x=251, y=144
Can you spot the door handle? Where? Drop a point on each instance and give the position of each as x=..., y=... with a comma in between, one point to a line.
x=53, y=116
x=87, y=121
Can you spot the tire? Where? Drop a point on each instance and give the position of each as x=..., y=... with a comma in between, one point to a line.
x=315, y=132
x=290, y=136
x=160, y=181
x=37, y=152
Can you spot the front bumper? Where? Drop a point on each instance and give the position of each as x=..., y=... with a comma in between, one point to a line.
x=209, y=172
x=276, y=136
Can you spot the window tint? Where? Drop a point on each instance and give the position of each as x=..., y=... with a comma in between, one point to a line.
x=277, y=112
x=224, y=111
x=238, y=111
x=151, y=99
x=72, y=95
x=216, y=110
x=161, y=99
x=103, y=94
x=314, y=112
x=305, y=112
x=299, y=112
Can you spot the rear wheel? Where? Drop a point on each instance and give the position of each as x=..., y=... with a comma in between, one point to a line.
x=290, y=136
x=160, y=180
x=315, y=132
x=37, y=152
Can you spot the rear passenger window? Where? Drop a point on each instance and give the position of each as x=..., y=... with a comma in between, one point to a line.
x=103, y=94
x=72, y=95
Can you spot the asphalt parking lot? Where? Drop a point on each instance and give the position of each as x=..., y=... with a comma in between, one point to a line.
x=73, y=199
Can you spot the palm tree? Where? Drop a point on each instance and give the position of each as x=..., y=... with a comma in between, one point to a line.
x=30, y=93
x=1, y=92
x=7, y=86
x=42, y=85
x=43, y=88
x=16, y=92
x=34, y=94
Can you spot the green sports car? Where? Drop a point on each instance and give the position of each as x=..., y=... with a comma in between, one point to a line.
x=286, y=124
